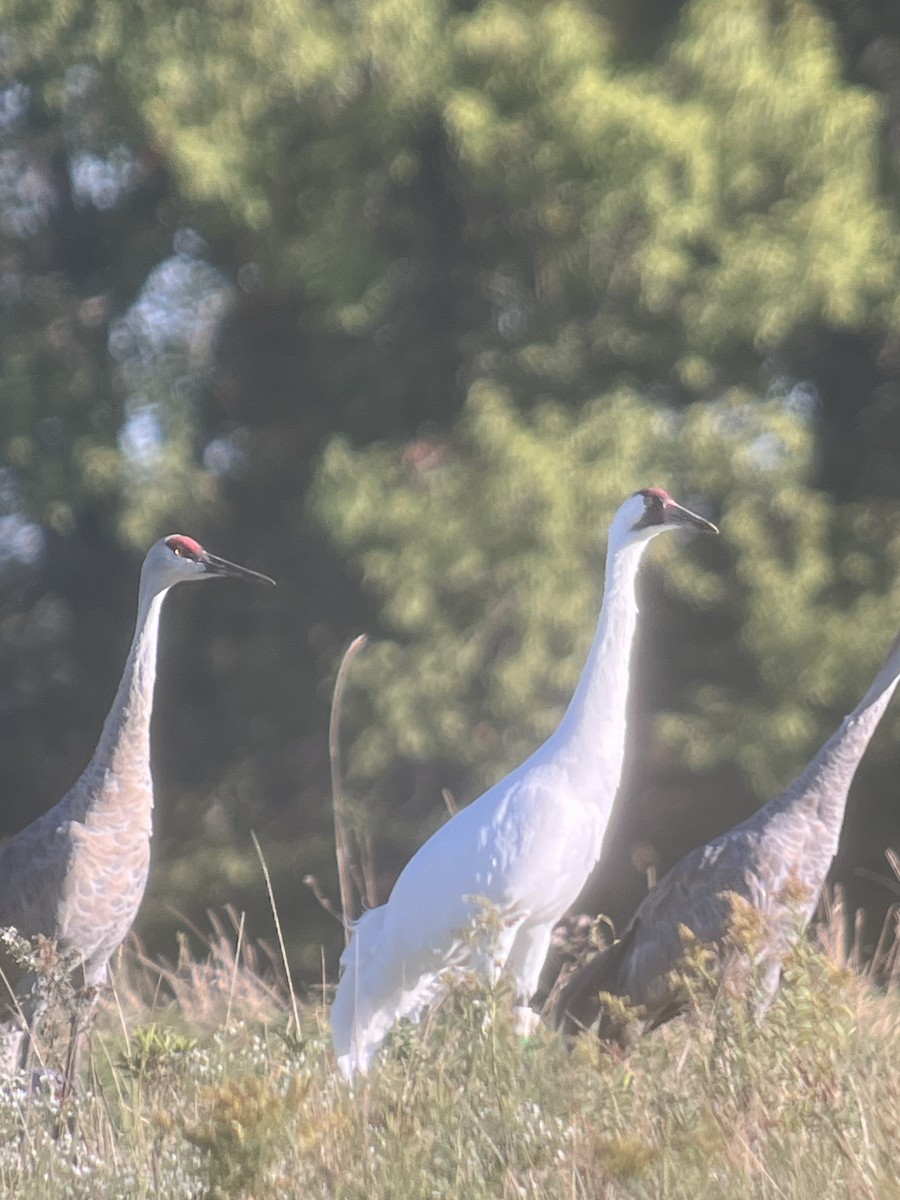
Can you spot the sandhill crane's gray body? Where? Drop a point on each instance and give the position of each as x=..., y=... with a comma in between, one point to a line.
x=77, y=874
x=792, y=838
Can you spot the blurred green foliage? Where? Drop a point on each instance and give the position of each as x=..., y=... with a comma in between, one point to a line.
x=396, y=300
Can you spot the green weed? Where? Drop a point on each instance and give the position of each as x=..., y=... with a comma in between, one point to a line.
x=179, y=1103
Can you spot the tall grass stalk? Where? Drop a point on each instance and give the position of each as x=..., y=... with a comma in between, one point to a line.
x=341, y=832
x=281, y=946
x=189, y=1096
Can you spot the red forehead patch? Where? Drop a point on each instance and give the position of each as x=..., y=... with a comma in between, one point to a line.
x=656, y=493
x=184, y=547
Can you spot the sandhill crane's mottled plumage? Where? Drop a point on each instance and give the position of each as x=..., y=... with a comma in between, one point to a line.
x=526, y=845
x=77, y=874
x=791, y=841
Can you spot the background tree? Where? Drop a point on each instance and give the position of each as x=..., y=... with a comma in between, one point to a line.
x=470, y=272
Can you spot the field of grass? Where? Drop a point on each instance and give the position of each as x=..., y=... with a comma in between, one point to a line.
x=199, y=1084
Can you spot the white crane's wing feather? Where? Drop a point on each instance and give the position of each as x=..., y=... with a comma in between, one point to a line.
x=513, y=847
x=507, y=848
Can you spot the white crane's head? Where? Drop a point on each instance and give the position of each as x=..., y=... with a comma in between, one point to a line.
x=649, y=512
x=179, y=559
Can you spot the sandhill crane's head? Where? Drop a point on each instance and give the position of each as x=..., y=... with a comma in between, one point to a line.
x=178, y=559
x=649, y=512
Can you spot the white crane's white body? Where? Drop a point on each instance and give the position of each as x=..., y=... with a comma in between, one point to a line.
x=526, y=846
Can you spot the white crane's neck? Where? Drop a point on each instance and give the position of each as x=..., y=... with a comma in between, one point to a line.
x=821, y=791
x=122, y=756
x=591, y=734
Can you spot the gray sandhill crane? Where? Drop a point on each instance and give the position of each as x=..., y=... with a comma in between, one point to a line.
x=776, y=861
x=77, y=874
x=526, y=845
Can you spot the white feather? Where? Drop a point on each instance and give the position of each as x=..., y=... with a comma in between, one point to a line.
x=526, y=846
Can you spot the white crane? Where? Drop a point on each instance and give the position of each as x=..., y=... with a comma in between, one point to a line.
x=777, y=861
x=77, y=874
x=526, y=845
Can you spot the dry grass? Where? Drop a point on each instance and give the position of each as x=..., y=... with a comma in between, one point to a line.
x=197, y=1086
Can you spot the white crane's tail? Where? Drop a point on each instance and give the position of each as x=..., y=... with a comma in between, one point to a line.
x=376, y=989
x=349, y=1021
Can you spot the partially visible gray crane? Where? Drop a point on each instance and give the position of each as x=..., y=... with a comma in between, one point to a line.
x=77, y=874
x=776, y=860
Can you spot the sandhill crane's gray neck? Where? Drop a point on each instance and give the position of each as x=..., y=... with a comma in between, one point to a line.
x=823, y=787
x=592, y=731
x=123, y=751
